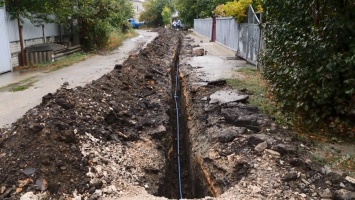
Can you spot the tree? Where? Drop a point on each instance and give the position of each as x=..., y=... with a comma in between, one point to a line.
x=193, y=9
x=309, y=58
x=166, y=14
x=237, y=9
x=153, y=11
x=97, y=18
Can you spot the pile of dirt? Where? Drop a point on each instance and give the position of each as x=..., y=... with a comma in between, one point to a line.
x=114, y=138
x=66, y=143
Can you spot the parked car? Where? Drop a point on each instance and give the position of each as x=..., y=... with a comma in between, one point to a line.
x=134, y=23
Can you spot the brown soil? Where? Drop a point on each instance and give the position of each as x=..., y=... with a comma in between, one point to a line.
x=119, y=130
x=123, y=106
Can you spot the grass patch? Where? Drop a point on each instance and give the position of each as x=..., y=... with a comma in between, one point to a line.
x=259, y=95
x=337, y=162
x=19, y=86
x=66, y=61
x=116, y=38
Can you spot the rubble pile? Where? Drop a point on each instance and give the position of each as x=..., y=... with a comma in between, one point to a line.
x=239, y=153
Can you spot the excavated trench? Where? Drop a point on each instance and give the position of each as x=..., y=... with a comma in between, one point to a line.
x=118, y=124
x=192, y=186
x=120, y=131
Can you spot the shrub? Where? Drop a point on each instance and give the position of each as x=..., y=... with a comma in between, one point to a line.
x=309, y=58
x=237, y=9
x=166, y=14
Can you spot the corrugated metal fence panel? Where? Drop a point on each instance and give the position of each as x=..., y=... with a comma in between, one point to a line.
x=254, y=31
x=243, y=40
x=249, y=42
x=203, y=27
x=227, y=32
x=30, y=31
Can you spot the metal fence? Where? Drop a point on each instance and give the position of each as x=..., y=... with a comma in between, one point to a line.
x=29, y=30
x=244, y=38
x=203, y=27
x=227, y=32
x=249, y=42
x=250, y=37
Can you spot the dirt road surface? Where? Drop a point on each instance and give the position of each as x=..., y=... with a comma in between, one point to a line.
x=14, y=104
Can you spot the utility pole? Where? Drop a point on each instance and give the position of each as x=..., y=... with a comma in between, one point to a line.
x=74, y=23
x=22, y=61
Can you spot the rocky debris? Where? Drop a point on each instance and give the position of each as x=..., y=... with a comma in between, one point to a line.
x=285, y=149
x=350, y=180
x=343, y=194
x=326, y=194
x=198, y=52
x=290, y=177
x=29, y=196
x=96, y=141
x=261, y=146
x=244, y=116
x=273, y=153
x=110, y=140
x=42, y=184
x=217, y=82
x=227, y=96
x=262, y=161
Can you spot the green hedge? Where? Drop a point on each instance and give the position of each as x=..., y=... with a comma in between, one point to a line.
x=310, y=58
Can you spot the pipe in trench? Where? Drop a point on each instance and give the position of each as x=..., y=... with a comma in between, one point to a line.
x=176, y=100
x=22, y=63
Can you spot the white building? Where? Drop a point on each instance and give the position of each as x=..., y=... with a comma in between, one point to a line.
x=137, y=7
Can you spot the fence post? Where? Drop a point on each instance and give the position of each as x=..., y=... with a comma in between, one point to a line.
x=213, y=39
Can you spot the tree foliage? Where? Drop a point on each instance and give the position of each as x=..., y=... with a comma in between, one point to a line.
x=309, y=57
x=40, y=12
x=166, y=14
x=153, y=11
x=193, y=9
x=237, y=8
x=97, y=18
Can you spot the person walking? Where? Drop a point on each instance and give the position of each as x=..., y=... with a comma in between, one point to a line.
x=174, y=24
x=178, y=24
